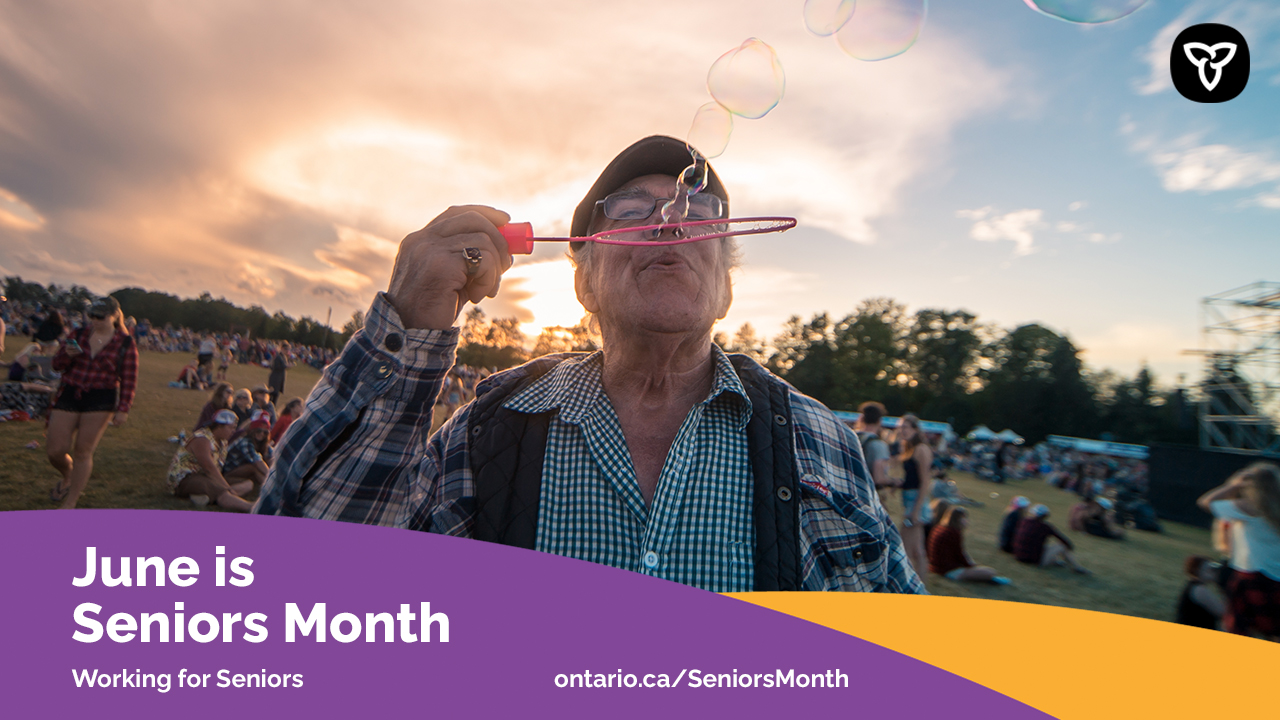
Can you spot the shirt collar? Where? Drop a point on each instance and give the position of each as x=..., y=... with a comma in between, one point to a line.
x=573, y=387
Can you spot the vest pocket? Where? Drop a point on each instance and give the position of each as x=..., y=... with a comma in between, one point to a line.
x=840, y=554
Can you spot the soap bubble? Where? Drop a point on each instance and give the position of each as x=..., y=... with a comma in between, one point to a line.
x=881, y=29
x=712, y=125
x=748, y=80
x=825, y=17
x=994, y=495
x=1086, y=11
x=692, y=180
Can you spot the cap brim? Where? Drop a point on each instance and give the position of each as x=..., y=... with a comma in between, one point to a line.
x=654, y=155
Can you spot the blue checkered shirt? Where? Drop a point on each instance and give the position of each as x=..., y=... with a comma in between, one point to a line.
x=698, y=530
x=359, y=453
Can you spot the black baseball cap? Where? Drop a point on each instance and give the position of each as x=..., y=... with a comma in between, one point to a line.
x=654, y=155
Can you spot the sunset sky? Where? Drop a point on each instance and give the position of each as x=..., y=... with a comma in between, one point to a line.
x=1020, y=167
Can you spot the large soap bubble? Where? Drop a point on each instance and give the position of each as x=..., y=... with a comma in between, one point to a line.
x=1086, y=11
x=881, y=29
x=748, y=80
x=712, y=125
x=825, y=17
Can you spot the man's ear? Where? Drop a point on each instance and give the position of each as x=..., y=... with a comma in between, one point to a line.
x=586, y=293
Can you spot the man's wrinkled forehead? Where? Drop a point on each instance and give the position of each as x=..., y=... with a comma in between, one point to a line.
x=652, y=183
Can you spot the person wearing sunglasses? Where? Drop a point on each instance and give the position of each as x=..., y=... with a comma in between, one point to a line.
x=658, y=454
x=99, y=366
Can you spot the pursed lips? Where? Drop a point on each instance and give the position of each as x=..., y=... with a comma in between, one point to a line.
x=668, y=260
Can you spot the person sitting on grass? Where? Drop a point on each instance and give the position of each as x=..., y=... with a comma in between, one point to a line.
x=1093, y=516
x=249, y=456
x=1030, y=543
x=1201, y=603
x=1009, y=525
x=262, y=401
x=219, y=399
x=938, y=508
x=242, y=406
x=189, y=376
x=290, y=413
x=23, y=368
x=196, y=469
x=947, y=556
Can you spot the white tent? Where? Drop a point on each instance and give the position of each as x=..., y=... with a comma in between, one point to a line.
x=982, y=432
x=1008, y=435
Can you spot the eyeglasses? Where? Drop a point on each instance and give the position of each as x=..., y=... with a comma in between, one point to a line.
x=638, y=205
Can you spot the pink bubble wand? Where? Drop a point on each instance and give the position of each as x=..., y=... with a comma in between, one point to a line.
x=520, y=237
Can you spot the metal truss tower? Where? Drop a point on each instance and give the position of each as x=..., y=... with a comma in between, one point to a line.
x=1240, y=392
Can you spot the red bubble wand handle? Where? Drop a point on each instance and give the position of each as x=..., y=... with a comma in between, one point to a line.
x=520, y=237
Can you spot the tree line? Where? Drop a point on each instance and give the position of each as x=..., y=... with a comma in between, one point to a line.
x=202, y=314
x=940, y=364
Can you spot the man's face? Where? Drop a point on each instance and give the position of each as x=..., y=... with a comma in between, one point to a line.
x=668, y=288
x=260, y=398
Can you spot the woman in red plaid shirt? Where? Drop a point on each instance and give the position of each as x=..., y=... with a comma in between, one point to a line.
x=99, y=366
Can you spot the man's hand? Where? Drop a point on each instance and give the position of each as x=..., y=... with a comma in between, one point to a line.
x=430, y=284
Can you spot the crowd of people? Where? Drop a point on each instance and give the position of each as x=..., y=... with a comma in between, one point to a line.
x=228, y=453
x=82, y=373
x=78, y=372
x=1238, y=592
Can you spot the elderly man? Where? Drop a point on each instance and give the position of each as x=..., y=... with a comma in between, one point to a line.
x=658, y=454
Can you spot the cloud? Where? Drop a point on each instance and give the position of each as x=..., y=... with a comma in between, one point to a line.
x=1064, y=226
x=1077, y=205
x=1017, y=226
x=1211, y=168
x=1187, y=165
x=274, y=152
x=17, y=214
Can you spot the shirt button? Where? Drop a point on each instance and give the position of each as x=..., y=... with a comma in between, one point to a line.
x=383, y=371
x=393, y=342
x=784, y=494
x=651, y=559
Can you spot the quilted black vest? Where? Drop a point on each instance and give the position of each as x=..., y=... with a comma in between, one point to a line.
x=507, y=447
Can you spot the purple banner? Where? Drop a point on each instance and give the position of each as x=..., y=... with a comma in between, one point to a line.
x=509, y=633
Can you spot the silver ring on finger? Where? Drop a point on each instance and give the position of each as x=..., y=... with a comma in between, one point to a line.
x=473, y=256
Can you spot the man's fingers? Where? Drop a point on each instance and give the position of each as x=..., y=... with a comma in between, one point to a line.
x=477, y=222
x=493, y=215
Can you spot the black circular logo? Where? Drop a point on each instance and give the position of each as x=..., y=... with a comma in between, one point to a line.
x=1209, y=63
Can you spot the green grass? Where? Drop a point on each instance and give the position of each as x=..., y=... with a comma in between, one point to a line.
x=1139, y=576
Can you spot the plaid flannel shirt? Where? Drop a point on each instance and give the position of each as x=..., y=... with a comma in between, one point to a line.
x=359, y=453
x=103, y=371
x=243, y=452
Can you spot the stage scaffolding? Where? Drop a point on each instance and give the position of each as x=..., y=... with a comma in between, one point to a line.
x=1239, y=406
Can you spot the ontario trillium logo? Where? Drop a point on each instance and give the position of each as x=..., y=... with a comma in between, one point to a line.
x=1209, y=63
x=1203, y=56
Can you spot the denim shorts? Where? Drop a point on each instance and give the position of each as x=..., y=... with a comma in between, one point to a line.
x=909, y=500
